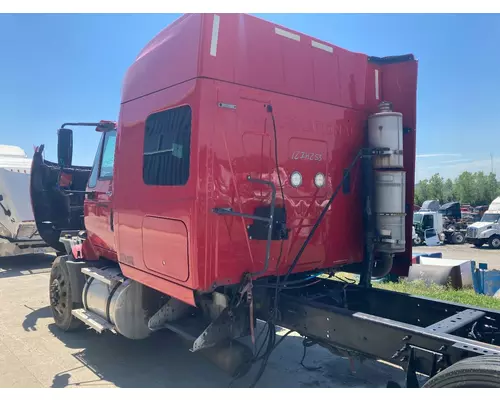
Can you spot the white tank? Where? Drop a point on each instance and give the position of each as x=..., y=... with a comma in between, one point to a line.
x=385, y=130
x=389, y=208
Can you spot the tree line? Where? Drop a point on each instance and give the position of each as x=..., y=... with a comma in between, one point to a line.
x=475, y=189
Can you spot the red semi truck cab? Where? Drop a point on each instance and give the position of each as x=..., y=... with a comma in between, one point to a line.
x=248, y=161
x=209, y=102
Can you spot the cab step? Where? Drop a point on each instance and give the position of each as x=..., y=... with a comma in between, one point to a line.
x=108, y=277
x=93, y=320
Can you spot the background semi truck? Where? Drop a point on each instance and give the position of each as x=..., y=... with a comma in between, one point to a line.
x=449, y=230
x=488, y=229
x=18, y=232
x=249, y=164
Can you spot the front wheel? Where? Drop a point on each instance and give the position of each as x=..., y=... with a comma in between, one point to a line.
x=61, y=299
x=457, y=238
x=417, y=241
x=494, y=242
x=474, y=372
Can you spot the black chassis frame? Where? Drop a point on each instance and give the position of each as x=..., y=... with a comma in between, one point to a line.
x=421, y=335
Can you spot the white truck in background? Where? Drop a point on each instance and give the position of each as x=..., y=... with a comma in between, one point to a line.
x=488, y=229
x=18, y=231
x=431, y=222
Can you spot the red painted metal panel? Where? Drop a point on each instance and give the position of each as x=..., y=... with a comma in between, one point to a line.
x=165, y=247
x=321, y=100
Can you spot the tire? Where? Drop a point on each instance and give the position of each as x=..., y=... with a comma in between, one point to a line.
x=60, y=296
x=417, y=241
x=474, y=372
x=494, y=242
x=458, y=238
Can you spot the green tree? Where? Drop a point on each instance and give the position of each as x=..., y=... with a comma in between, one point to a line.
x=481, y=195
x=436, y=188
x=448, y=191
x=464, y=188
x=469, y=188
x=421, y=192
x=492, y=187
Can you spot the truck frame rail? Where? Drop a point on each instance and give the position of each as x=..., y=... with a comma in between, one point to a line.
x=421, y=335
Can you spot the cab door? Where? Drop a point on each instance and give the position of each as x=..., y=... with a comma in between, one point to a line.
x=99, y=203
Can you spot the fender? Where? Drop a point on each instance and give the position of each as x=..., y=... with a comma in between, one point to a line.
x=488, y=233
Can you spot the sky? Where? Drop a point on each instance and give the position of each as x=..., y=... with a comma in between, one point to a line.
x=59, y=68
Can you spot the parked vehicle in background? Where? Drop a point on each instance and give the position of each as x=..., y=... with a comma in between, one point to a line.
x=454, y=218
x=479, y=212
x=434, y=220
x=466, y=208
x=430, y=205
x=18, y=231
x=488, y=229
x=446, y=220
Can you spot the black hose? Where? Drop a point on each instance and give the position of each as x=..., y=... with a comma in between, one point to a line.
x=270, y=348
x=321, y=216
x=307, y=343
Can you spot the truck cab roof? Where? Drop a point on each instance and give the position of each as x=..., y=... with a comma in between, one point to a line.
x=14, y=158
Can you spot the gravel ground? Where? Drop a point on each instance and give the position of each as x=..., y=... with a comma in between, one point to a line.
x=465, y=252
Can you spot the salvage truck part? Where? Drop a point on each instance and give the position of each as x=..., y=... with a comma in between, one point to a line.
x=18, y=231
x=235, y=179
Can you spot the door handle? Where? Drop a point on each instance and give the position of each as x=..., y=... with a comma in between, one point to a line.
x=109, y=193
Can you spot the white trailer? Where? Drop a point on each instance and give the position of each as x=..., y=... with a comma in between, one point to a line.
x=18, y=231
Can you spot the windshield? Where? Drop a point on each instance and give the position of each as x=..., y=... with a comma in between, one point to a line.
x=490, y=218
x=417, y=218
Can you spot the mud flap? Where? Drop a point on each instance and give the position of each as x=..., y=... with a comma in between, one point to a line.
x=77, y=279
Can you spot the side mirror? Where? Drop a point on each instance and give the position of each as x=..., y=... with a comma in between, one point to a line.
x=64, y=147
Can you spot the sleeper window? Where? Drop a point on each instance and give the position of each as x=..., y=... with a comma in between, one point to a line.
x=167, y=147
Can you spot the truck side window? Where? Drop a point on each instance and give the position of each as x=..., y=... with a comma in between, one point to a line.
x=108, y=156
x=427, y=222
x=167, y=142
x=95, y=166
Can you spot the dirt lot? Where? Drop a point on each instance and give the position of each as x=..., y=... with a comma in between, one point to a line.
x=33, y=353
x=465, y=252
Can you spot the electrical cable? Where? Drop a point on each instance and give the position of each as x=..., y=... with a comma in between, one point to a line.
x=276, y=293
x=270, y=345
x=271, y=327
x=270, y=110
x=287, y=287
x=307, y=343
x=271, y=339
x=321, y=216
x=344, y=280
x=266, y=328
x=278, y=343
